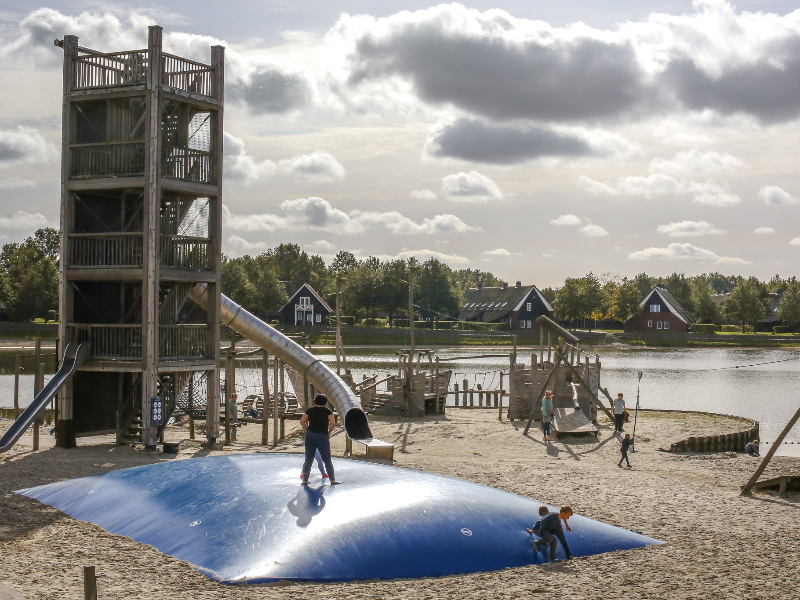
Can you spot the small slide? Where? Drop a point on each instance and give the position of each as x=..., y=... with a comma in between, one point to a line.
x=570, y=420
x=321, y=376
x=74, y=356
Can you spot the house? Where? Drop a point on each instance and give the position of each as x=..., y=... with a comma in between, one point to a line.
x=660, y=312
x=305, y=307
x=518, y=306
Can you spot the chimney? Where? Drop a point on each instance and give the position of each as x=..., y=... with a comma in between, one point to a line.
x=519, y=284
x=505, y=285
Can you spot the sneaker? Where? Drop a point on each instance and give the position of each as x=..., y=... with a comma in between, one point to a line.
x=304, y=482
x=335, y=482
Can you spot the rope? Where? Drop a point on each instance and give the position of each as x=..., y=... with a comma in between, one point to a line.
x=771, y=362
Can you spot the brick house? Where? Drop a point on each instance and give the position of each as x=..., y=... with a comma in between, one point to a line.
x=661, y=312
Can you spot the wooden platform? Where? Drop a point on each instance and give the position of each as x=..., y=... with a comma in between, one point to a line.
x=571, y=421
x=779, y=482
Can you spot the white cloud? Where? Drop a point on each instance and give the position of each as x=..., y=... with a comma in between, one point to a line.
x=566, y=220
x=399, y=224
x=322, y=247
x=470, y=187
x=317, y=213
x=659, y=184
x=501, y=253
x=795, y=241
x=592, y=230
x=317, y=167
x=24, y=145
x=15, y=183
x=423, y=255
x=24, y=220
x=423, y=195
x=678, y=251
x=238, y=246
x=240, y=166
x=774, y=195
x=763, y=230
x=689, y=229
x=694, y=162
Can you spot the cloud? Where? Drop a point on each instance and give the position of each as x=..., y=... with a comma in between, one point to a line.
x=694, y=162
x=317, y=213
x=470, y=187
x=423, y=195
x=399, y=224
x=776, y=196
x=795, y=241
x=322, y=247
x=317, y=167
x=689, y=229
x=658, y=184
x=677, y=251
x=24, y=220
x=423, y=255
x=266, y=88
x=240, y=166
x=475, y=140
x=566, y=220
x=24, y=145
x=15, y=183
x=592, y=230
x=238, y=246
x=763, y=230
x=501, y=253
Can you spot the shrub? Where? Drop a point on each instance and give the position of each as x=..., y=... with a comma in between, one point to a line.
x=374, y=322
x=782, y=329
x=731, y=329
x=704, y=328
x=274, y=322
x=345, y=320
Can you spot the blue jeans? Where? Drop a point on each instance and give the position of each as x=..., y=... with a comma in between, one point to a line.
x=322, y=443
x=546, y=428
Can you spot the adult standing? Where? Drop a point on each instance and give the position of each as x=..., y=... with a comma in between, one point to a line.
x=619, y=413
x=318, y=422
x=547, y=414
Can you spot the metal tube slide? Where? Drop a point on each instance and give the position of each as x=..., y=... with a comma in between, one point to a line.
x=317, y=372
x=74, y=356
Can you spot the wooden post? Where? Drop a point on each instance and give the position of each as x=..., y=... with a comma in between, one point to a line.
x=455, y=395
x=17, y=366
x=191, y=407
x=480, y=394
x=265, y=400
x=228, y=384
x=541, y=345
x=553, y=371
x=515, y=348
x=89, y=583
x=549, y=348
x=768, y=457
x=275, y=403
x=500, y=399
x=38, y=384
x=436, y=384
x=472, y=398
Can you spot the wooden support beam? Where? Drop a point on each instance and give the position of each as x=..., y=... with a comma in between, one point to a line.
x=265, y=402
x=749, y=486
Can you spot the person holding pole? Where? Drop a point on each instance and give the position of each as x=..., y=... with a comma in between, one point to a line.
x=547, y=414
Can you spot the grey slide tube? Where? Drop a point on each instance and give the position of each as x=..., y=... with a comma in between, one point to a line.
x=74, y=356
x=314, y=369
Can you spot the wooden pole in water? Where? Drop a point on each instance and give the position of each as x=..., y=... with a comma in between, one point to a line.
x=17, y=367
x=265, y=400
x=768, y=457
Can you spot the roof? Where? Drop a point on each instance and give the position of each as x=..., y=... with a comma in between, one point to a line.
x=675, y=307
x=496, y=302
x=313, y=292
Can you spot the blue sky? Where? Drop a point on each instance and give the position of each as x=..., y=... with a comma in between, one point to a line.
x=535, y=140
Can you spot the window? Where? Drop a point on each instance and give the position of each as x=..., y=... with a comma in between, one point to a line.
x=319, y=318
x=522, y=323
x=666, y=324
x=305, y=301
x=528, y=307
x=658, y=325
x=529, y=324
x=655, y=308
x=649, y=323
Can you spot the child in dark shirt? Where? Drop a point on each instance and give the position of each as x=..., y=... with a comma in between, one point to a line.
x=624, y=447
x=549, y=529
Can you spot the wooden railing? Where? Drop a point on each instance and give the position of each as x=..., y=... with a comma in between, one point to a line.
x=186, y=163
x=115, y=159
x=109, y=341
x=104, y=250
x=184, y=252
x=187, y=75
x=183, y=341
x=113, y=69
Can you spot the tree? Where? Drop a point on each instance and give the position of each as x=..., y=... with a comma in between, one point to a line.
x=29, y=285
x=343, y=262
x=463, y=279
x=722, y=283
x=550, y=294
x=705, y=309
x=362, y=292
x=569, y=301
x=627, y=300
x=748, y=302
x=789, y=307
x=680, y=288
x=394, y=297
x=435, y=289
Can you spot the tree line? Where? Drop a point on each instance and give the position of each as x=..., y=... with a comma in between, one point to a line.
x=29, y=286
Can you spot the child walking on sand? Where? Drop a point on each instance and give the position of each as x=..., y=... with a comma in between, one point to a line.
x=624, y=447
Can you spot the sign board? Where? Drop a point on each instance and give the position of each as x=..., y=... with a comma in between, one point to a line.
x=157, y=410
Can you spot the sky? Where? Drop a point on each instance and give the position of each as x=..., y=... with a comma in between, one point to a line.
x=535, y=140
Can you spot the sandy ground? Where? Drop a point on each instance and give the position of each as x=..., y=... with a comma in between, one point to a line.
x=719, y=545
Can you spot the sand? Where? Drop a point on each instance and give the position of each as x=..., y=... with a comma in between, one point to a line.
x=719, y=545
